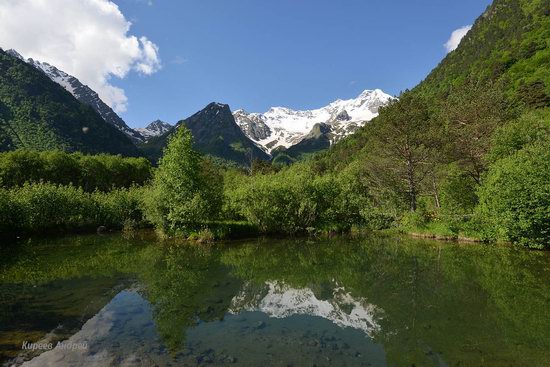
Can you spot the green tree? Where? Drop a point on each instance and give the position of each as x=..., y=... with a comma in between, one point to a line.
x=186, y=190
x=471, y=114
x=402, y=147
x=515, y=135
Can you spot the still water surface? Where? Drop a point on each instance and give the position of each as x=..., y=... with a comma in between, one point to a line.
x=340, y=302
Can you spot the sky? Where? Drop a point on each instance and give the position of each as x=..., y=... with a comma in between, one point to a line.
x=167, y=59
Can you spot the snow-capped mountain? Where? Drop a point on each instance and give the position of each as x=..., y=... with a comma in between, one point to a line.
x=284, y=127
x=155, y=128
x=83, y=93
x=279, y=300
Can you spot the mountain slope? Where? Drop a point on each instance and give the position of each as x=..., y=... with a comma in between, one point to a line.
x=508, y=45
x=36, y=113
x=83, y=93
x=284, y=127
x=508, y=42
x=215, y=133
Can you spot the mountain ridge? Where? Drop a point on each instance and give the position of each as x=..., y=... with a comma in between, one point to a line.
x=83, y=93
x=37, y=113
x=285, y=127
x=215, y=133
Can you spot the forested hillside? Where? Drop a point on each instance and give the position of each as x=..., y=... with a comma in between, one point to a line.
x=463, y=154
x=507, y=47
x=36, y=113
x=509, y=42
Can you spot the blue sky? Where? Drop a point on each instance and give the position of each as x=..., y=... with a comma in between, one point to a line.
x=301, y=54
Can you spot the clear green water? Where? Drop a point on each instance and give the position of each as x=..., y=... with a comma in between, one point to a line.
x=339, y=302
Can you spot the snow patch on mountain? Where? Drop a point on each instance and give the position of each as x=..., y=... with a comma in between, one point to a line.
x=285, y=127
x=155, y=128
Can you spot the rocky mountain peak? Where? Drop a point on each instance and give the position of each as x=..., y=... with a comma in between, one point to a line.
x=155, y=128
x=16, y=54
x=284, y=127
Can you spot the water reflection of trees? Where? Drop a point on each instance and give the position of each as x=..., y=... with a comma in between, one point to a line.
x=188, y=286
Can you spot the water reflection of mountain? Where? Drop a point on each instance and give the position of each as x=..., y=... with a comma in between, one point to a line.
x=114, y=336
x=280, y=300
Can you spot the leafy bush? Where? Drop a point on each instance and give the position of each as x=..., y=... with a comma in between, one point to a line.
x=297, y=200
x=414, y=220
x=120, y=207
x=515, y=197
x=90, y=172
x=45, y=207
x=529, y=128
x=282, y=203
x=458, y=193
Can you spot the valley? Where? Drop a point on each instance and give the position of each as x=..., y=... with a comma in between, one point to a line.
x=407, y=224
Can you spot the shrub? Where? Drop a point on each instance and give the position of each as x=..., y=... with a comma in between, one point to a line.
x=280, y=203
x=91, y=172
x=49, y=207
x=120, y=207
x=45, y=207
x=414, y=220
x=515, y=197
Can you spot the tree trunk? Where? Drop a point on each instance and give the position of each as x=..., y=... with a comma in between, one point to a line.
x=436, y=194
x=412, y=185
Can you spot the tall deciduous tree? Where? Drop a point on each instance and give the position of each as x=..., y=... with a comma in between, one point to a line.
x=187, y=192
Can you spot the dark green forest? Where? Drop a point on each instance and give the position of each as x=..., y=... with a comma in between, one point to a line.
x=464, y=155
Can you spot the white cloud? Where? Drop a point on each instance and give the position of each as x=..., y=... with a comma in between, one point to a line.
x=456, y=37
x=86, y=38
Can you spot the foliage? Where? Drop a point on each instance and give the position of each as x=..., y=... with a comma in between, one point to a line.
x=458, y=193
x=186, y=190
x=402, y=146
x=470, y=115
x=91, y=172
x=46, y=207
x=281, y=203
x=515, y=197
x=513, y=136
x=507, y=43
x=296, y=199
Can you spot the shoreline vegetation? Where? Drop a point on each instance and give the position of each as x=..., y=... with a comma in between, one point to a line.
x=190, y=196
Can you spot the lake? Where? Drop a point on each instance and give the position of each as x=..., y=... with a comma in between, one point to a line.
x=128, y=300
